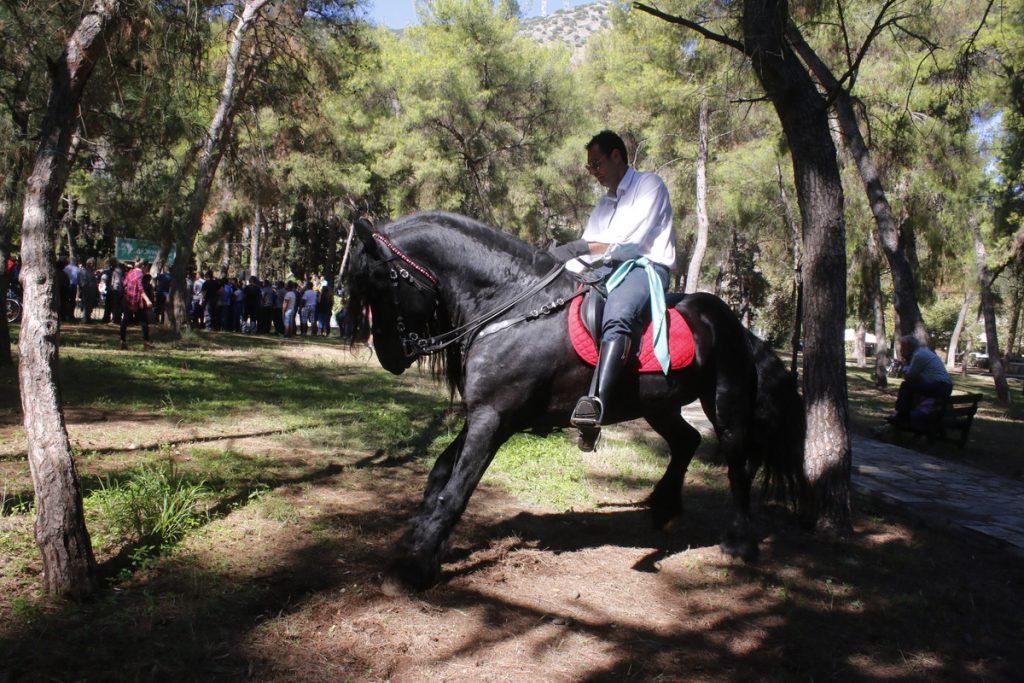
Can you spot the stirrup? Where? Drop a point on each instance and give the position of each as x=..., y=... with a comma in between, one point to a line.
x=588, y=412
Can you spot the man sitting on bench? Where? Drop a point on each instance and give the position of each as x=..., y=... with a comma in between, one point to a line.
x=924, y=376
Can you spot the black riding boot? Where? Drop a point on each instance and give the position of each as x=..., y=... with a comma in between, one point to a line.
x=589, y=411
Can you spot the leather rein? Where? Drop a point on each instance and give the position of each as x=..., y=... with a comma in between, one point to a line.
x=414, y=346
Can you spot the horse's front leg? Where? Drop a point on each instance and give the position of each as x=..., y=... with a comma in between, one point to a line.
x=666, y=501
x=442, y=470
x=423, y=547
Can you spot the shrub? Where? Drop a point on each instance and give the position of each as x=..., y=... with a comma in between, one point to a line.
x=154, y=506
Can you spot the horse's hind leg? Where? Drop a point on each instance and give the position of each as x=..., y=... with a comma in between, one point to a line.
x=732, y=417
x=447, y=497
x=666, y=501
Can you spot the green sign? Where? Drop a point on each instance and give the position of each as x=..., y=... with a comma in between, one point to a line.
x=127, y=250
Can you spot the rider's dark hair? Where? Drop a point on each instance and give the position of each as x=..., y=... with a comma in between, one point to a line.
x=608, y=140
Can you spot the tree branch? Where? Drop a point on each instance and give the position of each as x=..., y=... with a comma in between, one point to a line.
x=672, y=19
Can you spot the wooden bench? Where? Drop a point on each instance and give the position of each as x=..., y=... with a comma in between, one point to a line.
x=955, y=415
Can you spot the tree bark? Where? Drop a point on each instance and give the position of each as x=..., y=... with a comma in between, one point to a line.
x=904, y=287
x=954, y=340
x=798, y=280
x=860, y=354
x=988, y=311
x=344, y=257
x=217, y=135
x=1017, y=294
x=878, y=311
x=804, y=117
x=254, y=242
x=63, y=540
x=701, y=244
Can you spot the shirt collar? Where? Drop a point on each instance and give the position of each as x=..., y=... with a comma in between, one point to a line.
x=624, y=184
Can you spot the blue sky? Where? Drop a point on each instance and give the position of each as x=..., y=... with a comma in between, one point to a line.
x=402, y=13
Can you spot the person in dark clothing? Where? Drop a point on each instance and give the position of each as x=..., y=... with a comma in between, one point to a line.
x=163, y=290
x=324, y=308
x=279, y=292
x=251, y=305
x=115, y=292
x=267, y=299
x=211, y=301
x=63, y=293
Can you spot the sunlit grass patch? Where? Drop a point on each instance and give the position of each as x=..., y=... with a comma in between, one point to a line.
x=154, y=506
x=546, y=471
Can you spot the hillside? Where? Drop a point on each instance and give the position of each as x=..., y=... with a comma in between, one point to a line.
x=572, y=26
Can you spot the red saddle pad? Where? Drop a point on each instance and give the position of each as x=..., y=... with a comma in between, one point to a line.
x=680, y=341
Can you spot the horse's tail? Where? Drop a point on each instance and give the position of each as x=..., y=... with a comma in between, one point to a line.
x=778, y=432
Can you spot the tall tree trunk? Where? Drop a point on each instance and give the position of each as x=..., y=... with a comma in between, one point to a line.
x=954, y=340
x=966, y=362
x=254, y=241
x=344, y=257
x=1017, y=299
x=798, y=280
x=63, y=540
x=904, y=287
x=860, y=354
x=988, y=311
x=217, y=135
x=878, y=311
x=5, y=330
x=804, y=117
x=701, y=244
x=68, y=222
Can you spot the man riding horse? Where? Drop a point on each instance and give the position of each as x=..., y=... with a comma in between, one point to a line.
x=629, y=240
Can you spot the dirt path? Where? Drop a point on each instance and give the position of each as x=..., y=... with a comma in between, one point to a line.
x=285, y=584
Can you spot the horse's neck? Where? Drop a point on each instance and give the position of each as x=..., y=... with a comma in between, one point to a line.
x=474, y=277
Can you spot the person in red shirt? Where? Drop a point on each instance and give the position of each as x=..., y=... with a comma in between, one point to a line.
x=136, y=305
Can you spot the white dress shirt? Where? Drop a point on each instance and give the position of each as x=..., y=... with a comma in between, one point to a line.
x=638, y=215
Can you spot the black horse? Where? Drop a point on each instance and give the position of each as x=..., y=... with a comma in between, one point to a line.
x=489, y=311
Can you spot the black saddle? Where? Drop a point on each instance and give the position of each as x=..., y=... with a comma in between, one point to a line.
x=592, y=308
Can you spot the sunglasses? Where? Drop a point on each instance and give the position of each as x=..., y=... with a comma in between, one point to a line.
x=594, y=165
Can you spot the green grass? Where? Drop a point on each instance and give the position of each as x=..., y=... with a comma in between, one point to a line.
x=546, y=471
x=154, y=506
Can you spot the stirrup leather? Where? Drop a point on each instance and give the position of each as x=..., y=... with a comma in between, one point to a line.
x=589, y=412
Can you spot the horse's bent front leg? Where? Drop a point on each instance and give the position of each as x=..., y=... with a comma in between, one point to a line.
x=442, y=506
x=442, y=470
x=666, y=501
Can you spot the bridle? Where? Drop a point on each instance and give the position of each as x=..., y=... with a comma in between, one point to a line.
x=412, y=344
x=425, y=282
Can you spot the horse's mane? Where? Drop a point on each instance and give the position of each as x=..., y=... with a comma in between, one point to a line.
x=440, y=231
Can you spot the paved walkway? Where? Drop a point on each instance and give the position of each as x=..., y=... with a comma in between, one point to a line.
x=939, y=493
x=942, y=493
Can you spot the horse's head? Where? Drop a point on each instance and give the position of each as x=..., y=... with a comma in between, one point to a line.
x=401, y=295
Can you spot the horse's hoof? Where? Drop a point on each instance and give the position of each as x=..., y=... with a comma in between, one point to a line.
x=663, y=508
x=411, y=575
x=746, y=550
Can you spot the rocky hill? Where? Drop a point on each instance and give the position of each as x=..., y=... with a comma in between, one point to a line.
x=572, y=26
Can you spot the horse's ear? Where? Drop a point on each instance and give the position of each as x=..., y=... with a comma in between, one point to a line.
x=364, y=231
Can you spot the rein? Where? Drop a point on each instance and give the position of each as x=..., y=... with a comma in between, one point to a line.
x=414, y=346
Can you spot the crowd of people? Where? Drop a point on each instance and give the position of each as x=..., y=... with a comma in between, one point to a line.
x=254, y=306
x=127, y=293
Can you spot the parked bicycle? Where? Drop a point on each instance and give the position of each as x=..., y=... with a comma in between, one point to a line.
x=13, y=307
